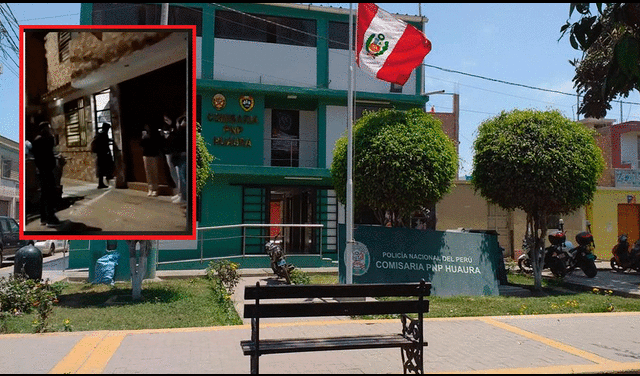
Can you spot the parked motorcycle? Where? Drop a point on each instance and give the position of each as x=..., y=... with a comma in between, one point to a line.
x=624, y=259
x=279, y=264
x=555, y=255
x=582, y=256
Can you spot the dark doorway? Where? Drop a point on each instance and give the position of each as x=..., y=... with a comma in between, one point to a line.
x=293, y=205
x=145, y=100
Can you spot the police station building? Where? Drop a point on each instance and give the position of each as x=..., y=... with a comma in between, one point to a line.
x=271, y=97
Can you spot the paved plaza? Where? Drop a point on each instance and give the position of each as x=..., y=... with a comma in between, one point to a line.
x=563, y=343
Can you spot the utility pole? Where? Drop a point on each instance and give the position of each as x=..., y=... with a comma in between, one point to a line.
x=164, y=14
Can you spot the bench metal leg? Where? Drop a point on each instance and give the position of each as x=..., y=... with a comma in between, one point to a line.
x=254, y=364
x=412, y=359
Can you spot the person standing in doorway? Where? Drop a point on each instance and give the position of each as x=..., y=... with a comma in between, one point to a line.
x=104, y=159
x=45, y=161
x=150, y=143
x=168, y=134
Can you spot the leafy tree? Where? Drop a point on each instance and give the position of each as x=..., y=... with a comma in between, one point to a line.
x=610, y=64
x=539, y=162
x=402, y=162
x=203, y=162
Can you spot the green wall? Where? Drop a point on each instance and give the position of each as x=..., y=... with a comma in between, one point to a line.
x=455, y=263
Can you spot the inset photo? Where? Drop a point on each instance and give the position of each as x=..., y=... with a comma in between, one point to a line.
x=108, y=132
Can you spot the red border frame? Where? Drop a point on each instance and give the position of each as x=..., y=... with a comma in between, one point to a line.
x=55, y=235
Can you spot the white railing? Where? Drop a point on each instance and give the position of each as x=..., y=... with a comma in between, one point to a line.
x=203, y=231
x=627, y=178
x=291, y=152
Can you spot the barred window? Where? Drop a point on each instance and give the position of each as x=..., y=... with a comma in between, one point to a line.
x=75, y=125
x=64, y=37
x=6, y=168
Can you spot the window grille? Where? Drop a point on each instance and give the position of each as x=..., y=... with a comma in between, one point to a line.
x=64, y=37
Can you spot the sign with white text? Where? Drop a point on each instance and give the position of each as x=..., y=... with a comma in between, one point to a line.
x=456, y=263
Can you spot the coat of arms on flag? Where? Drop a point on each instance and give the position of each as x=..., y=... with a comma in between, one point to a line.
x=387, y=47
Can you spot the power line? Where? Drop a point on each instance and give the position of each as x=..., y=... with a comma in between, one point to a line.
x=6, y=14
x=510, y=83
x=42, y=18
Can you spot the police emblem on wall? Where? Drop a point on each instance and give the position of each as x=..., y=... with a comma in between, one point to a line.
x=247, y=102
x=361, y=259
x=219, y=101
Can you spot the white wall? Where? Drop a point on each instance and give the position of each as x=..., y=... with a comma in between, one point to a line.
x=629, y=148
x=338, y=80
x=266, y=63
x=336, y=128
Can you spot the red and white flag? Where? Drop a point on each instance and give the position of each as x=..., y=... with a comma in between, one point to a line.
x=388, y=48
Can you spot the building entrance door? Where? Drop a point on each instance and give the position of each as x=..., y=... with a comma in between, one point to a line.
x=293, y=205
x=629, y=221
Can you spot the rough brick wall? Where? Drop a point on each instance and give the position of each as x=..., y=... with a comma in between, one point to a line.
x=90, y=50
x=59, y=73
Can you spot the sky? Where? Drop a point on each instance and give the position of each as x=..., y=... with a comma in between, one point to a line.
x=516, y=43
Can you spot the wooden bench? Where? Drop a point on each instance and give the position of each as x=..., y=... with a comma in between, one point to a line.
x=410, y=340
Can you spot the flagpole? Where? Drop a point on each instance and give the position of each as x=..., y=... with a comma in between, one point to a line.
x=348, y=254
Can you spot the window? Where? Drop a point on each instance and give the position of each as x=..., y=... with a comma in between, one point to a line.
x=102, y=113
x=285, y=138
x=64, y=37
x=179, y=15
x=103, y=109
x=6, y=168
x=145, y=14
x=395, y=88
x=339, y=35
x=267, y=29
x=13, y=225
x=75, y=123
x=126, y=14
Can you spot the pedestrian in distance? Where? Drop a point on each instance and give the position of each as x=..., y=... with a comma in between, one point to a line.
x=179, y=156
x=104, y=158
x=150, y=143
x=45, y=161
x=169, y=132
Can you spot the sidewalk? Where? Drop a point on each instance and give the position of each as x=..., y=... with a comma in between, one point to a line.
x=92, y=211
x=574, y=343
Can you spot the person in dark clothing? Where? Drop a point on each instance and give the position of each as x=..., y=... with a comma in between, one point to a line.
x=45, y=161
x=150, y=144
x=167, y=131
x=104, y=159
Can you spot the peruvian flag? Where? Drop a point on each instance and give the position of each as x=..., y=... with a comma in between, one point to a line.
x=388, y=48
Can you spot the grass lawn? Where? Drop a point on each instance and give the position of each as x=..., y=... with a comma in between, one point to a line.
x=555, y=298
x=181, y=303
x=178, y=303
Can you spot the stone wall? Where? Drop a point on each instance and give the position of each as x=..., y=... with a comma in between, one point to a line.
x=91, y=50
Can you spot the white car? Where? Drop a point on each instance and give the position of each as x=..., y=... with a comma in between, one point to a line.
x=49, y=247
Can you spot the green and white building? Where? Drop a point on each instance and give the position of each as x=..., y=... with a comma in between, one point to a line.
x=271, y=97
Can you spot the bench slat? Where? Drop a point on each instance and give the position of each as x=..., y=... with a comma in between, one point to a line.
x=335, y=309
x=335, y=291
x=290, y=345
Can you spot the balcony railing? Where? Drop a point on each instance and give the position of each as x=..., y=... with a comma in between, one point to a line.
x=627, y=178
x=291, y=152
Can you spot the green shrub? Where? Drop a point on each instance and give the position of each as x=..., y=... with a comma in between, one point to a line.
x=226, y=272
x=20, y=295
x=299, y=277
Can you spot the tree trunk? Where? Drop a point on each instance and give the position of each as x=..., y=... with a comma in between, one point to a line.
x=536, y=222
